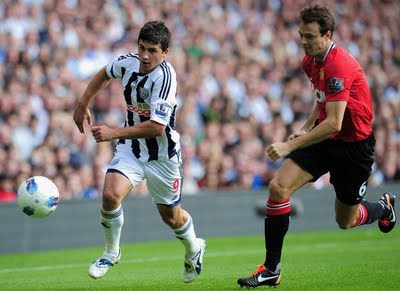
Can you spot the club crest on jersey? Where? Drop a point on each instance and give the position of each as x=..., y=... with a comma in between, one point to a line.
x=162, y=110
x=321, y=74
x=144, y=93
x=336, y=84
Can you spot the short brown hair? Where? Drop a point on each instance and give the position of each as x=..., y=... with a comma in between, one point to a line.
x=156, y=32
x=319, y=14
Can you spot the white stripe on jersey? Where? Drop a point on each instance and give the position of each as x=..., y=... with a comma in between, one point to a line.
x=148, y=97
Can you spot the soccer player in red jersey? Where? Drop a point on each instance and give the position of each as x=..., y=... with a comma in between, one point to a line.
x=337, y=138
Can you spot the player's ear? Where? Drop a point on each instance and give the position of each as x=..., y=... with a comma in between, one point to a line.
x=328, y=34
x=165, y=52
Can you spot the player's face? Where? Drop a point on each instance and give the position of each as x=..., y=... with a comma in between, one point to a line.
x=150, y=55
x=314, y=44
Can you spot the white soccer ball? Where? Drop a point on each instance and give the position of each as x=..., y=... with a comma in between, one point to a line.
x=38, y=196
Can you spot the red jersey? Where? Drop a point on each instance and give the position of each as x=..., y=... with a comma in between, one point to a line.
x=339, y=77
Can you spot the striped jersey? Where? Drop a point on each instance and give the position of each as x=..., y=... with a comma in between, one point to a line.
x=149, y=96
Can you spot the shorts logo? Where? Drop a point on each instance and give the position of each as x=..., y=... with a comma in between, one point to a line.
x=336, y=84
x=162, y=110
x=114, y=162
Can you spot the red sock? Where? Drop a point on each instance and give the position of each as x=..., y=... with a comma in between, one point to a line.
x=362, y=215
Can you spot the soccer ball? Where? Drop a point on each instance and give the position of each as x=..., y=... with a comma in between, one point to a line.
x=37, y=196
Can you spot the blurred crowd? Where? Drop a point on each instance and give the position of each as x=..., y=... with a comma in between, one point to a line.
x=240, y=85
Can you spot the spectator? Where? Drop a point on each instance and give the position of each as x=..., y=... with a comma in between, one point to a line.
x=241, y=85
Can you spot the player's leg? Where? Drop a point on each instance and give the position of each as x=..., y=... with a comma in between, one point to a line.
x=116, y=186
x=182, y=224
x=349, y=177
x=164, y=181
x=289, y=178
x=123, y=172
x=348, y=216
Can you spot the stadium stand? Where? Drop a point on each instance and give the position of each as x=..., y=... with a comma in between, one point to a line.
x=240, y=85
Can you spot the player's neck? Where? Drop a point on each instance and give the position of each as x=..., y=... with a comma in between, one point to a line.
x=322, y=57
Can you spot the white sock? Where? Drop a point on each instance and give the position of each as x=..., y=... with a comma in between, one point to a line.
x=187, y=236
x=112, y=222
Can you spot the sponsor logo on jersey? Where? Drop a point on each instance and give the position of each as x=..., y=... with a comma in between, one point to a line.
x=140, y=108
x=336, y=84
x=162, y=110
x=318, y=94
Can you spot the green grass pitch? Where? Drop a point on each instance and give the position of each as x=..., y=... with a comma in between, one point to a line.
x=362, y=259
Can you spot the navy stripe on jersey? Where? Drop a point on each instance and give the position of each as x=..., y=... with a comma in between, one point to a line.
x=166, y=93
x=163, y=82
x=172, y=119
x=171, y=143
x=127, y=94
x=112, y=70
x=122, y=72
x=128, y=89
x=151, y=143
x=121, y=140
x=166, y=85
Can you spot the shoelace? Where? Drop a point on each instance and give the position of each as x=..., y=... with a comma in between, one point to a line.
x=260, y=268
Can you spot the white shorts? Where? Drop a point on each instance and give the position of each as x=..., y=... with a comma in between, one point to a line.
x=163, y=178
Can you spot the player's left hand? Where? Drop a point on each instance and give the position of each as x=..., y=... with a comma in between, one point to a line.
x=102, y=133
x=278, y=150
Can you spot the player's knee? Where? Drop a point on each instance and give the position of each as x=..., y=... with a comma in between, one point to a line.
x=110, y=200
x=277, y=191
x=344, y=224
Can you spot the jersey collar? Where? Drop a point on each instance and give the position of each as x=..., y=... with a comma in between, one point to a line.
x=328, y=51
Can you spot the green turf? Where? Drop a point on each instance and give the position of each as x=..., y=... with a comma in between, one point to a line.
x=363, y=259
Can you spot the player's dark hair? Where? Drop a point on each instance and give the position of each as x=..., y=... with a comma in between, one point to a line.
x=319, y=14
x=156, y=32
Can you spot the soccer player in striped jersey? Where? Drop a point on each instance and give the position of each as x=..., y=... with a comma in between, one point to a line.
x=337, y=138
x=148, y=146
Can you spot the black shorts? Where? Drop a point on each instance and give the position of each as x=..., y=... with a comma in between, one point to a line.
x=349, y=165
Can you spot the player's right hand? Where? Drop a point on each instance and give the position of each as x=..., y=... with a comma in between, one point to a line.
x=80, y=114
x=297, y=134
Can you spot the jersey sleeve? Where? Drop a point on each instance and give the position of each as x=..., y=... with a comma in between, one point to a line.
x=339, y=79
x=163, y=96
x=116, y=69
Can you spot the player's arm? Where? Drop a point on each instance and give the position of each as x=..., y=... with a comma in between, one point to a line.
x=98, y=83
x=311, y=119
x=308, y=125
x=145, y=129
x=332, y=124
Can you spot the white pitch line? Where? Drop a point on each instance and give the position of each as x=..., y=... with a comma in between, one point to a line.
x=129, y=261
